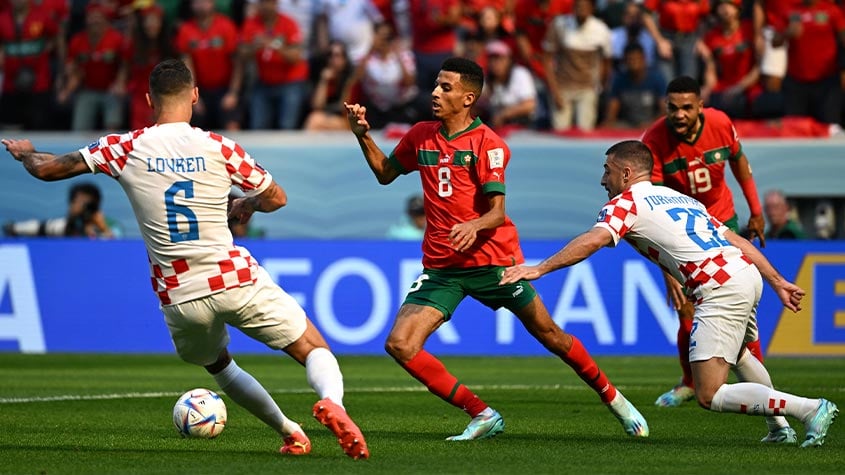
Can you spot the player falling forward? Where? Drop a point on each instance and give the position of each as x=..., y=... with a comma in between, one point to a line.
x=690, y=154
x=721, y=272
x=202, y=279
x=468, y=241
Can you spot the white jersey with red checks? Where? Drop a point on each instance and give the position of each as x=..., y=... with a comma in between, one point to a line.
x=178, y=180
x=674, y=231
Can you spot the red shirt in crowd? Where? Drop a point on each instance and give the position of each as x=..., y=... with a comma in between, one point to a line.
x=429, y=36
x=25, y=48
x=531, y=21
x=812, y=55
x=734, y=54
x=273, y=68
x=98, y=62
x=210, y=50
x=679, y=16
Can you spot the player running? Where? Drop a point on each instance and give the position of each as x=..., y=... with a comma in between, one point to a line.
x=720, y=271
x=467, y=244
x=178, y=180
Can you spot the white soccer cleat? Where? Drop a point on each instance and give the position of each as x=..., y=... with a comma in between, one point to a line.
x=675, y=396
x=818, y=424
x=632, y=421
x=784, y=435
x=482, y=427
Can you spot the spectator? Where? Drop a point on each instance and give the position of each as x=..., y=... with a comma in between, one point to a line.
x=208, y=44
x=815, y=30
x=96, y=72
x=334, y=86
x=27, y=41
x=825, y=220
x=304, y=12
x=578, y=61
x=732, y=74
x=636, y=96
x=388, y=79
x=676, y=35
x=350, y=22
x=772, y=58
x=509, y=97
x=532, y=18
x=151, y=43
x=778, y=211
x=84, y=218
x=434, y=36
x=631, y=31
x=412, y=227
x=273, y=42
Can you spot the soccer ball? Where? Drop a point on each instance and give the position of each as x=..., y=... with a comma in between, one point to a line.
x=200, y=413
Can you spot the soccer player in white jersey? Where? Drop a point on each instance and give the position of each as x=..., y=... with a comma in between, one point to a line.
x=178, y=180
x=721, y=271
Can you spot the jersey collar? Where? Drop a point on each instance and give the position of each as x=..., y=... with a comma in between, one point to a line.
x=475, y=123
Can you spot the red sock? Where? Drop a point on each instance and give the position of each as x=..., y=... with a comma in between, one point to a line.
x=430, y=371
x=755, y=349
x=581, y=361
x=683, y=350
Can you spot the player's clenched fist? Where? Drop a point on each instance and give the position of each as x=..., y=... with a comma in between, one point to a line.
x=357, y=121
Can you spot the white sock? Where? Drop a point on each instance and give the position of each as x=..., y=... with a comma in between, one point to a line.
x=323, y=374
x=249, y=393
x=756, y=399
x=750, y=370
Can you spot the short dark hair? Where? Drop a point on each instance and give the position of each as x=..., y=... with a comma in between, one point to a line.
x=170, y=77
x=86, y=189
x=634, y=153
x=472, y=76
x=682, y=85
x=633, y=47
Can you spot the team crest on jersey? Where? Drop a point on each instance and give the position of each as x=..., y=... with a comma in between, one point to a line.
x=602, y=215
x=496, y=157
x=93, y=147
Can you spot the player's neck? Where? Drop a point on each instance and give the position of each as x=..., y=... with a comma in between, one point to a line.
x=455, y=124
x=690, y=136
x=171, y=116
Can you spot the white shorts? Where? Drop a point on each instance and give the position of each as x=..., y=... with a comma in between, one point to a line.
x=262, y=311
x=727, y=318
x=773, y=62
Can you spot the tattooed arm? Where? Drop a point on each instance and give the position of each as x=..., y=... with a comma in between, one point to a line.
x=46, y=166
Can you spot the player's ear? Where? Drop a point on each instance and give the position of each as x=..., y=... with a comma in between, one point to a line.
x=469, y=99
x=149, y=100
x=195, y=95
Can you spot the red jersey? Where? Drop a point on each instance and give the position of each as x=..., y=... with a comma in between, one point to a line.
x=99, y=62
x=681, y=16
x=457, y=172
x=697, y=168
x=210, y=50
x=812, y=56
x=272, y=67
x=25, y=49
x=734, y=53
x=429, y=36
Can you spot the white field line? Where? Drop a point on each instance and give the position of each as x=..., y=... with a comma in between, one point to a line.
x=386, y=389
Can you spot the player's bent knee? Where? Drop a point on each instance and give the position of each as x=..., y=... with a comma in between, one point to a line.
x=222, y=362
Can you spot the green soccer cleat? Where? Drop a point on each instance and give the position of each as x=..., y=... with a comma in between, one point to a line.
x=819, y=423
x=784, y=435
x=632, y=421
x=482, y=427
x=675, y=396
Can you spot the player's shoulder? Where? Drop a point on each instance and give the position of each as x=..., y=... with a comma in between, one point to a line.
x=716, y=118
x=657, y=129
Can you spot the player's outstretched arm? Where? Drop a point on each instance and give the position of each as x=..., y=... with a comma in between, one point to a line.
x=376, y=159
x=46, y=166
x=790, y=294
x=578, y=249
x=742, y=172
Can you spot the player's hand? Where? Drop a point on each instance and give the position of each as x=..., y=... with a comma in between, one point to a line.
x=664, y=48
x=463, y=236
x=756, y=228
x=790, y=295
x=241, y=210
x=517, y=273
x=356, y=114
x=229, y=101
x=17, y=148
x=674, y=292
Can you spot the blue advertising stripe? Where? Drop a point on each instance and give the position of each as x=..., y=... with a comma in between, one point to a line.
x=95, y=296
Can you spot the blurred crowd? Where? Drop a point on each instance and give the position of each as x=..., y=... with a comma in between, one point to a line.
x=290, y=64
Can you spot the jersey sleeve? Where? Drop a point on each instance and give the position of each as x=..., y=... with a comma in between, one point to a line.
x=108, y=154
x=618, y=216
x=404, y=156
x=244, y=172
x=490, y=166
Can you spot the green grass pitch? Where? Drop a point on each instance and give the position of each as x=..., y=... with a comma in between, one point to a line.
x=103, y=414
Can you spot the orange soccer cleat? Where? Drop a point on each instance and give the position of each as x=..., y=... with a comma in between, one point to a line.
x=296, y=444
x=348, y=434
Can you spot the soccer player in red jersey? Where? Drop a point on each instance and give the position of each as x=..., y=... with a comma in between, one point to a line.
x=690, y=147
x=468, y=242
